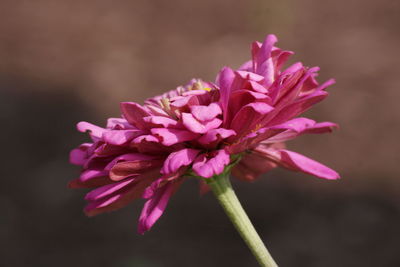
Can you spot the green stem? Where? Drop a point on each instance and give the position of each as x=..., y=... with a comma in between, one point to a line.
x=223, y=191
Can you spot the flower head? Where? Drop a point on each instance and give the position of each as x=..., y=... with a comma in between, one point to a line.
x=198, y=130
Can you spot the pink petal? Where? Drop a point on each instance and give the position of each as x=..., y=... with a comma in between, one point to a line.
x=160, y=121
x=107, y=190
x=215, y=135
x=224, y=81
x=264, y=63
x=89, y=174
x=155, y=206
x=252, y=139
x=297, y=162
x=145, y=138
x=298, y=107
x=128, y=157
x=196, y=126
x=120, y=137
x=207, y=168
x=134, y=114
x=144, y=168
x=173, y=136
x=117, y=199
x=119, y=123
x=206, y=113
x=78, y=156
x=300, y=126
x=95, y=132
x=178, y=159
x=249, y=116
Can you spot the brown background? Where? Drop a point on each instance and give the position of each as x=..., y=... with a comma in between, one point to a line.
x=65, y=61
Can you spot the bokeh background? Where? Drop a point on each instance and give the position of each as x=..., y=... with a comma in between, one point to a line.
x=64, y=61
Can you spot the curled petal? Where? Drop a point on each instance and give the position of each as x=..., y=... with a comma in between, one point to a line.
x=264, y=63
x=224, y=80
x=134, y=114
x=119, y=198
x=107, y=190
x=128, y=157
x=208, y=167
x=155, y=206
x=173, y=136
x=118, y=123
x=300, y=126
x=196, y=126
x=120, y=137
x=145, y=168
x=160, y=121
x=178, y=159
x=249, y=116
x=95, y=131
x=215, y=136
x=78, y=156
x=298, y=107
x=206, y=113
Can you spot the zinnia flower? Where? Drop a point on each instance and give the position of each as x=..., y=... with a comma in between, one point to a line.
x=202, y=129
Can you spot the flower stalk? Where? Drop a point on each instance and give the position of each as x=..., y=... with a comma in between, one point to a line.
x=223, y=191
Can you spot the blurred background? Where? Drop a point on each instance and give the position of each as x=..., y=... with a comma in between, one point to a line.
x=65, y=61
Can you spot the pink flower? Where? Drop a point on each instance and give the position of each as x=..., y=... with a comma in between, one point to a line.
x=199, y=129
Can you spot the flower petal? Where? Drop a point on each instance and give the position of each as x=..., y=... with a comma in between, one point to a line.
x=120, y=137
x=215, y=135
x=247, y=118
x=206, y=113
x=178, y=159
x=95, y=131
x=196, y=126
x=125, y=169
x=224, y=81
x=173, y=136
x=78, y=156
x=117, y=199
x=264, y=64
x=207, y=168
x=155, y=206
x=134, y=114
x=160, y=121
x=297, y=162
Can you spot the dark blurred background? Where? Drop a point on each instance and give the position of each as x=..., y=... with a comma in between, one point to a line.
x=65, y=61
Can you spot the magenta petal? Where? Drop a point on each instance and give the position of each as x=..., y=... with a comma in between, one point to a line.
x=78, y=156
x=298, y=107
x=321, y=127
x=207, y=168
x=128, y=157
x=215, y=135
x=158, y=121
x=264, y=63
x=134, y=114
x=107, y=190
x=196, y=126
x=121, y=123
x=173, y=136
x=178, y=159
x=95, y=132
x=206, y=113
x=300, y=126
x=145, y=138
x=246, y=119
x=154, y=207
x=224, y=81
x=120, y=137
x=90, y=174
x=298, y=162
